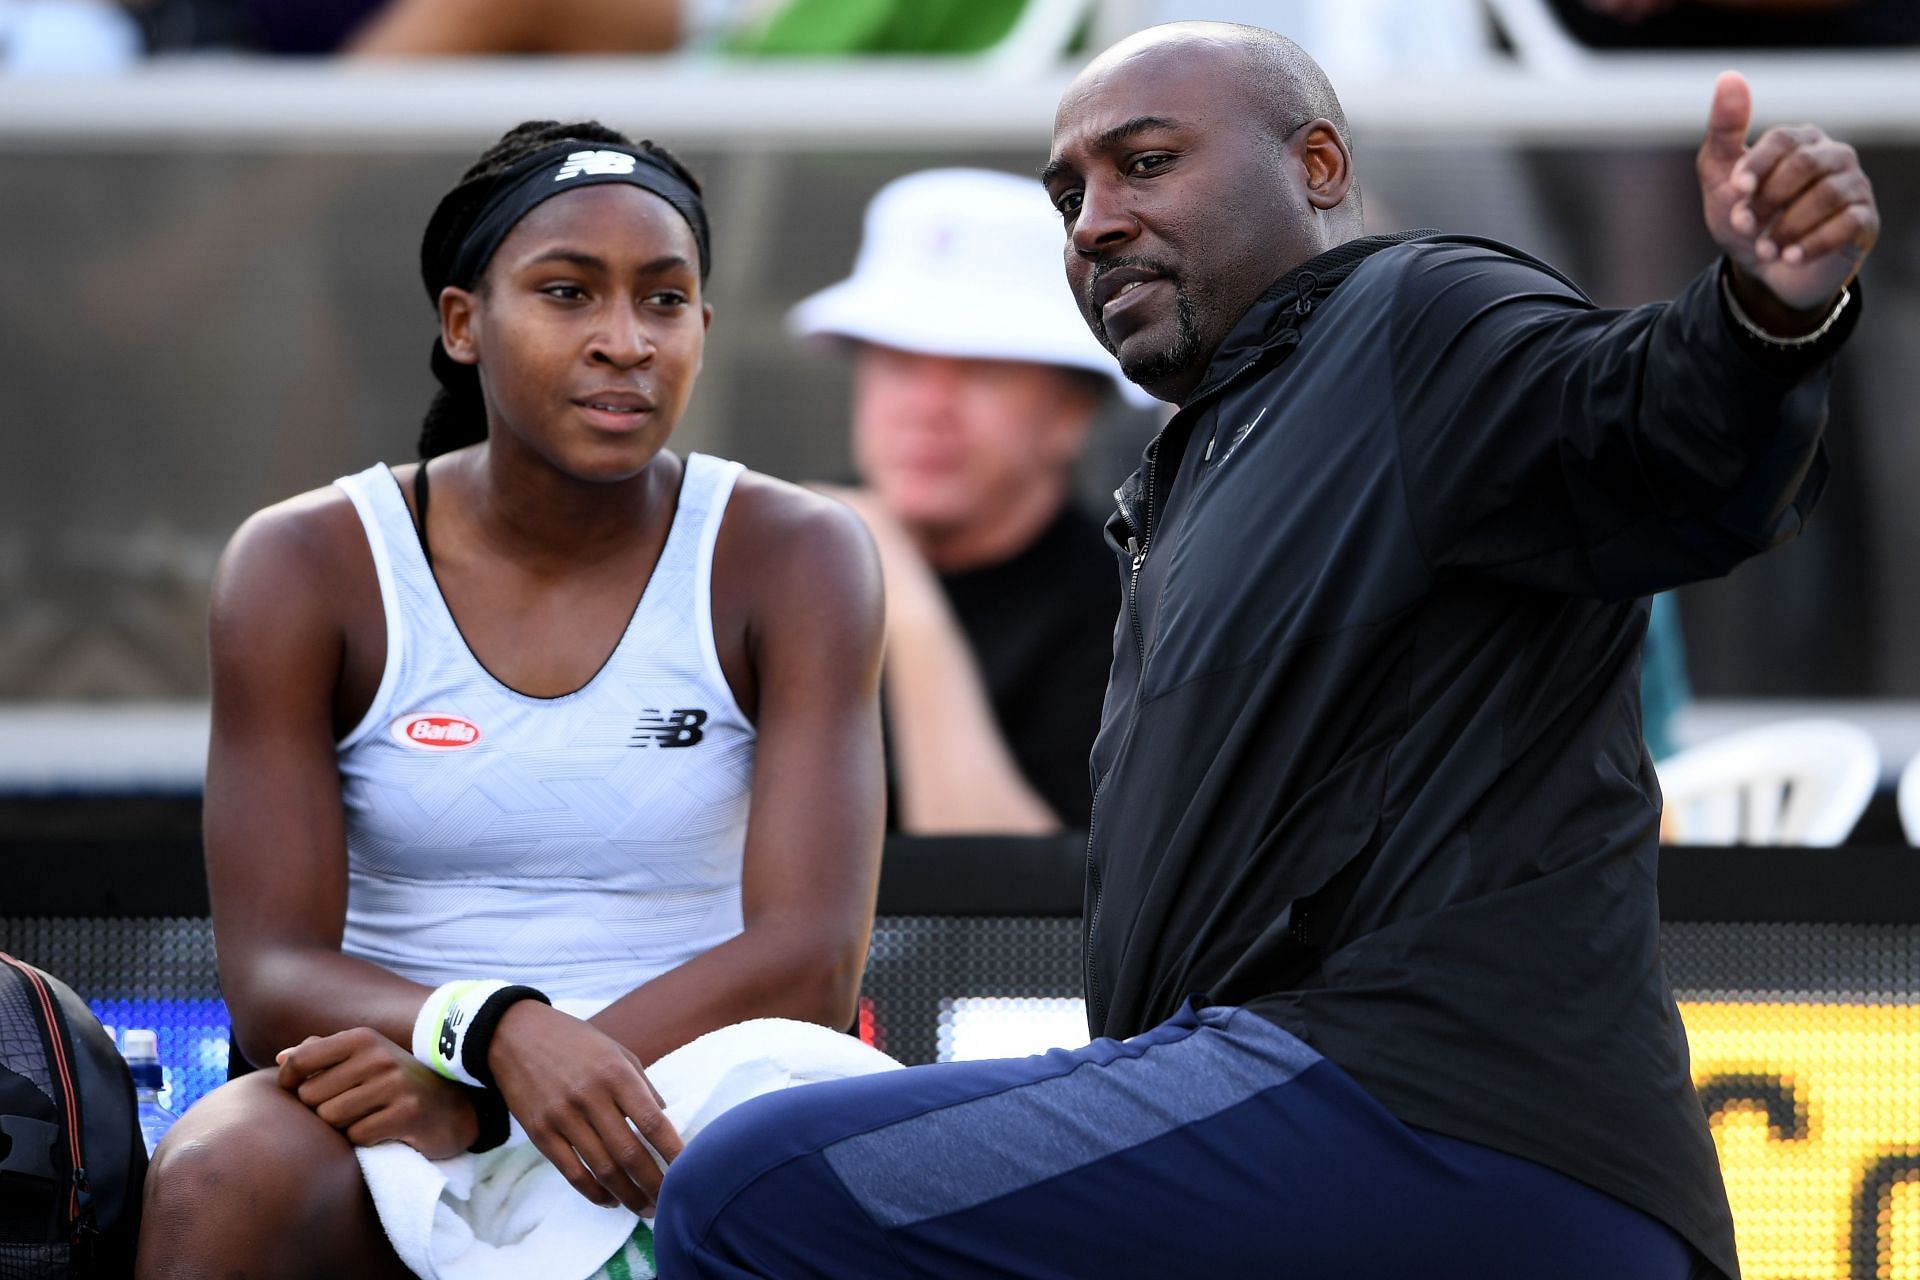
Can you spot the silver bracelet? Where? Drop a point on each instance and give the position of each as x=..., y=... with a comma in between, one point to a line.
x=1775, y=340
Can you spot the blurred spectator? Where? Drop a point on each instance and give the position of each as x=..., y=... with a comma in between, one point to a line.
x=401, y=28
x=66, y=37
x=823, y=27
x=408, y=28
x=1353, y=37
x=405, y=28
x=975, y=383
x=1727, y=24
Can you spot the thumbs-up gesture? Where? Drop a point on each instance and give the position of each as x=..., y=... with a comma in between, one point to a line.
x=1794, y=212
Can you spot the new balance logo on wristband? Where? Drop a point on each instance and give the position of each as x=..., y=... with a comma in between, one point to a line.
x=455, y=1025
x=677, y=728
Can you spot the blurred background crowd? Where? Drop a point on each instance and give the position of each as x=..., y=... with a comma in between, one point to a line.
x=209, y=298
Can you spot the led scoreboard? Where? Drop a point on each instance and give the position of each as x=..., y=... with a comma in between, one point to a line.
x=1797, y=973
x=1816, y=1111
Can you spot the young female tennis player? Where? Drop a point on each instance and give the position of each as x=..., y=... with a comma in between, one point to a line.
x=532, y=761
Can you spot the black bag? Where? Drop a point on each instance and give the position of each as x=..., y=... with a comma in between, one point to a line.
x=72, y=1162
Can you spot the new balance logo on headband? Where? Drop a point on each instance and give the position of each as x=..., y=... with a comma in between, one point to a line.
x=595, y=162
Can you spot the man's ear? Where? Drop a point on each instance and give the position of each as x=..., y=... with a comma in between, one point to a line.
x=1329, y=168
x=457, y=325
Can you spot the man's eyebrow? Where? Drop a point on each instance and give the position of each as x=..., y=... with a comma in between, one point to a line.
x=1110, y=137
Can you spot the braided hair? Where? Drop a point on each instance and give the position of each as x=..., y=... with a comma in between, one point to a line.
x=458, y=415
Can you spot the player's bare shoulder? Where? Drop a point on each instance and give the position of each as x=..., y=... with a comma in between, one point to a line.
x=799, y=555
x=304, y=561
x=788, y=521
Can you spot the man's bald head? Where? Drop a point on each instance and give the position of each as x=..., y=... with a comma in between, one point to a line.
x=1285, y=87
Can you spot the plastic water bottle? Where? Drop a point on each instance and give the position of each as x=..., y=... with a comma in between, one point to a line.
x=141, y=1048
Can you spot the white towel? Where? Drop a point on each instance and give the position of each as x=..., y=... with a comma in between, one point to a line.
x=508, y=1213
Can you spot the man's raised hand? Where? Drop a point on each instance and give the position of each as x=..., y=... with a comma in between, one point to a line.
x=1794, y=212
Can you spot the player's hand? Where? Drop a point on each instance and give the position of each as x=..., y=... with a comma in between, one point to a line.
x=574, y=1088
x=1794, y=212
x=372, y=1090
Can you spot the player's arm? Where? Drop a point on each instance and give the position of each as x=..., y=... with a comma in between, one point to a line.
x=275, y=835
x=812, y=858
x=276, y=843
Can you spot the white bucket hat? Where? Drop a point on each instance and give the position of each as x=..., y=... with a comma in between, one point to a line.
x=961, y=262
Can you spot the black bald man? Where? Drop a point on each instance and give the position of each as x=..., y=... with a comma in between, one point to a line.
x=1372, y=942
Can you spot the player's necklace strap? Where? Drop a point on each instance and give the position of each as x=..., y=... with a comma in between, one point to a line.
x=420, y=510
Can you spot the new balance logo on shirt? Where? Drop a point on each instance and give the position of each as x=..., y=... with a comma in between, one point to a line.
x=595, y=162
x=677, y=728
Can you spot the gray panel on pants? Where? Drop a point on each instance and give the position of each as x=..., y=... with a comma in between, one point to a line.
x=966, y=1154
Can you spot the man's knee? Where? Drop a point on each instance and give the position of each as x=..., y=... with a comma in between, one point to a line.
x=728, y=1202
x=713, y=1170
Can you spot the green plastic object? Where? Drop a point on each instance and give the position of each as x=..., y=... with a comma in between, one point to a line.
x=816, y=28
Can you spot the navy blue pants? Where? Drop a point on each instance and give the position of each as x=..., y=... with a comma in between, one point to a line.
x=1215, y=1145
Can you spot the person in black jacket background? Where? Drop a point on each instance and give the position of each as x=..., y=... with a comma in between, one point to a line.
x=1372, y=939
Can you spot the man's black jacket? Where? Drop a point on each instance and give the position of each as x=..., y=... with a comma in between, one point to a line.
x=1370, y=762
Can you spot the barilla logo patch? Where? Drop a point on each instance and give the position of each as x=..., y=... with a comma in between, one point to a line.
x=594, y=163
x=435, y=731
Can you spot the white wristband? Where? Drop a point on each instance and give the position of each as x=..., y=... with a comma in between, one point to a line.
x=440, y=1028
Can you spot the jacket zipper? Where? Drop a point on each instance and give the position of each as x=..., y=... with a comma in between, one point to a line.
x=69, y=1099
x=1096, y=1001
x=1137, y=548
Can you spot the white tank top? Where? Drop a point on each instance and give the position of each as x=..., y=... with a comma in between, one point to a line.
x=582, y=844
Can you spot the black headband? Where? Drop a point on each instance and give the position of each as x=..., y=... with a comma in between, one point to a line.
x=556, y=170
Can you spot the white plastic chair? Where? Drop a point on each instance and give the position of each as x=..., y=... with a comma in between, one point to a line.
x=1539, y=41
x=1798, y=782
x=1909, y=797
x=1039, y=38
